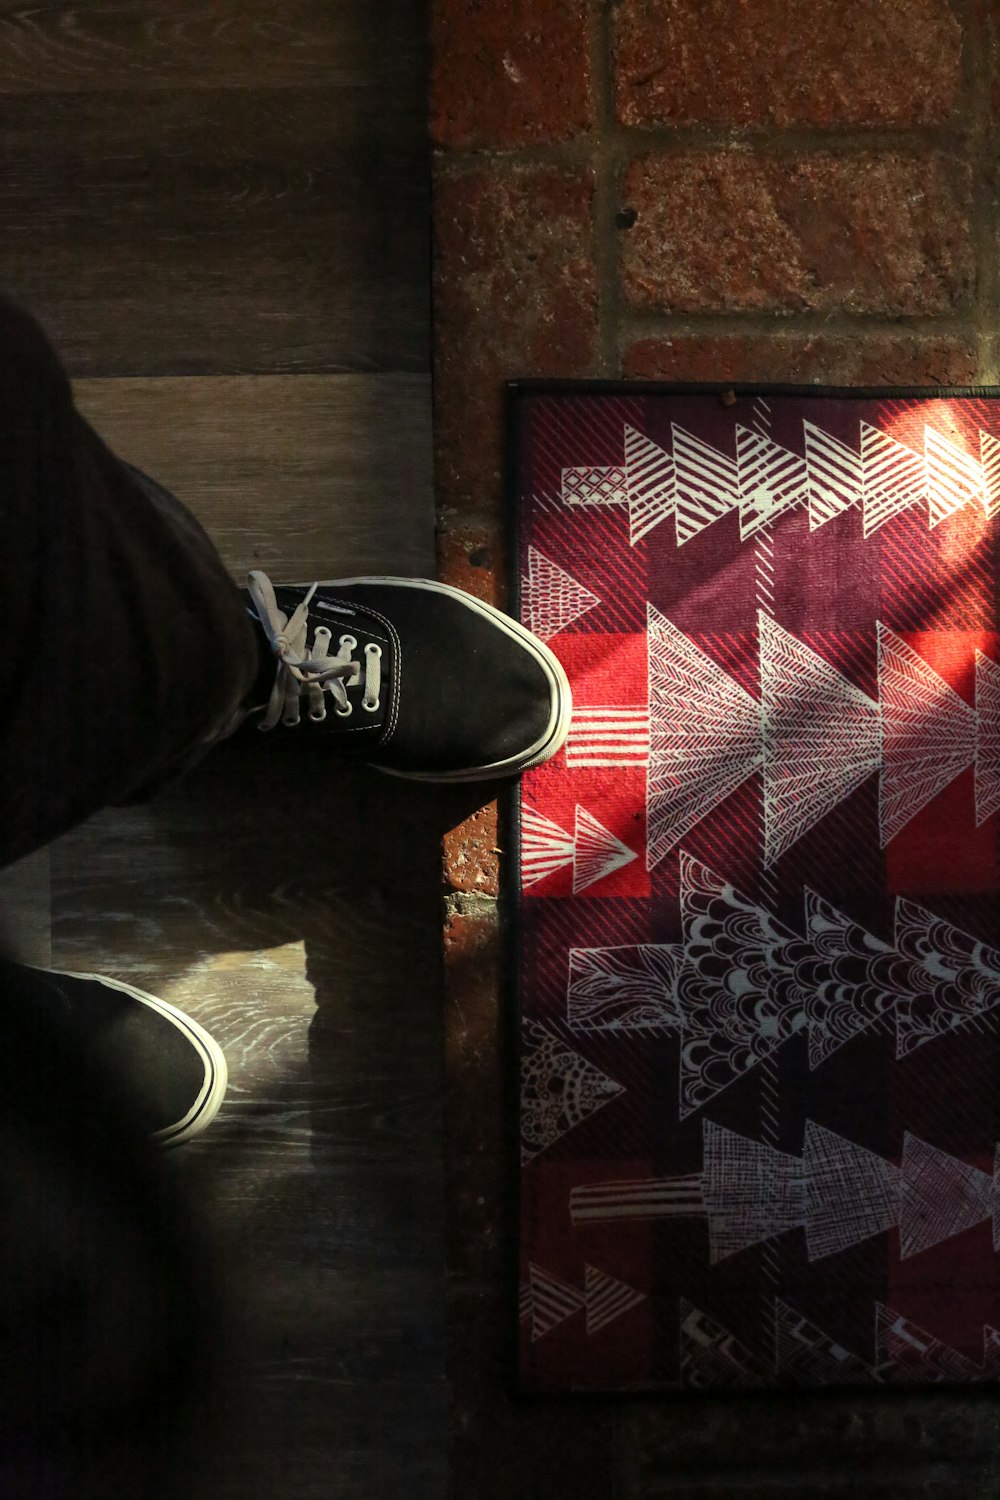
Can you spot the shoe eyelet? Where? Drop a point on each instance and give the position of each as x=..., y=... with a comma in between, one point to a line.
x=317, y=715
x=322, y=636
x=291, y=723
x=370, y=708
x=372, y=649
x=345, y=713
x=349, y=642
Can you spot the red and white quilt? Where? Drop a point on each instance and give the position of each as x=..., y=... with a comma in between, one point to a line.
x=759, y=935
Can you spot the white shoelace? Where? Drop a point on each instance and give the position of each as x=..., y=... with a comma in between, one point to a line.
x=310, y=671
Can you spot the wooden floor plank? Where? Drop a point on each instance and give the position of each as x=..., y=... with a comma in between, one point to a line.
x=219, y=231
x=26, y=910
x=141, y=45
x=305, y=936
x=306, y=476
x=219, y=210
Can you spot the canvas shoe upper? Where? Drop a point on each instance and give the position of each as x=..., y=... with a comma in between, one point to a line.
x=421, y=679
x=166, y=1068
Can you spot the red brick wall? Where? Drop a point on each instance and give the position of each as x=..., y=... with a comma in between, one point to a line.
x=784, y=190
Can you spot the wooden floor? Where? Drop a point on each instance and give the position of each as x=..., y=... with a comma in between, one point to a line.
x=219, y=210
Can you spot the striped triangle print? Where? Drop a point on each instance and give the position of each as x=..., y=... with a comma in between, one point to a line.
x=552, y=1302
x=772, y=480
x=822, y=736
x=954, y=478
x=833, y=475
x=597, y=853
x=607, y=1299
x=545, y=847
x=650, y=478
x=989, y=456
x=707, y=484
x=705, y=736
x=894, y=477
x=928, y=733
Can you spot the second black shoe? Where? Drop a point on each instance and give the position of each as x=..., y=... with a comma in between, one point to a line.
x=420, y=679
x=165, y=1068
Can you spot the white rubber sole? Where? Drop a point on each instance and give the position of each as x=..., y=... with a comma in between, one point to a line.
x=561, y=696
x=210, y=1096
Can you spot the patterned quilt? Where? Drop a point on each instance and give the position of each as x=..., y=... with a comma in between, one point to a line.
x=758, y=951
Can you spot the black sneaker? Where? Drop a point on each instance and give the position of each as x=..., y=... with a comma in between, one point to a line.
x=420, y=679
x=169, y=1071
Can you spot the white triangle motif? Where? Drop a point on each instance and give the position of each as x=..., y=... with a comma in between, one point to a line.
x=894, y=477
x=822, y=737
x=551, y=598
x=649, y=472
x=752, y=1192
x=833, y=475
x=607, y=1299
x=954, y=478
x=941, y=1196
x=559, y=1088
x=989, y=454
x=705, y=736
x=629, y=988
x=596, y=852
x=772, y=480
x=707, y=484
x=928, y=733
x=552, y=1302
x=544, y=846
x=845, y=995
x=987, y=738
x=851, y=1193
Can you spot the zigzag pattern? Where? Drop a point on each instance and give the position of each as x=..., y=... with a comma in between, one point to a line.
x=697, y=483
x=546, y=1301
x=591, y=850
x=837, y=1193
x=830, y=985
x=814, y=736
x=804, y=1353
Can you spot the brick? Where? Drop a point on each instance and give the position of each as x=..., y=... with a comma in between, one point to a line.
x=806, y=359
x=515, y=295
x=475, y=1058
x=736, y=231
x=471, y=859
x=480, y=1211
x=472, y=557
x=509, y=72
x=787, y=62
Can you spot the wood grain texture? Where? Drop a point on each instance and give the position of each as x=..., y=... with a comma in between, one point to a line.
x=307, y=940
x=304, y=476
x=219, y=211
x=141, y=45
x=219, y=231
x=26, y=910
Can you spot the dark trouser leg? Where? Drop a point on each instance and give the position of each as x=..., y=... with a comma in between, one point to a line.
x=109, y=1313
x=127, y=648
